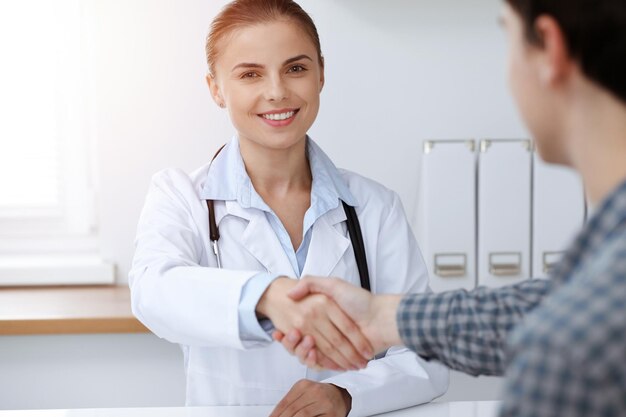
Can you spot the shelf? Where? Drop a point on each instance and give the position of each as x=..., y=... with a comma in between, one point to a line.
x=67, y=310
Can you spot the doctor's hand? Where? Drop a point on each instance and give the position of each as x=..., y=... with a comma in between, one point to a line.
x=337, y=338
x=309, y=398
x=374, y=314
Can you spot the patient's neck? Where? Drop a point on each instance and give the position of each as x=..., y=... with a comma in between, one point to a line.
x=596, y=135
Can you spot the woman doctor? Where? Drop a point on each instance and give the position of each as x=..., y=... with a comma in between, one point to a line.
x=278, y=206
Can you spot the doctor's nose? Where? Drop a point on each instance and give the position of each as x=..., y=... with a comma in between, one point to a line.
x=276, y=90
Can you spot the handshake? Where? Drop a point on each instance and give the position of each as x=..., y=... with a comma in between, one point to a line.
x=328, y=323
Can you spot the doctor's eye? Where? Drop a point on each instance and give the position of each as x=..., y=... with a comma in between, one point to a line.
x=296, y=68
x=250, y=74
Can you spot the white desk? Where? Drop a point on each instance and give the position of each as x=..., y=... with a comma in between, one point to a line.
x=453, y=409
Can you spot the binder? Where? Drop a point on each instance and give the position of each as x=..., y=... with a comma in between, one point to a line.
x=447, y=210
x=558, y=213
x=504, y=211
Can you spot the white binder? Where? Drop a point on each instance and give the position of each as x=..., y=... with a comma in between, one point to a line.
x=504, y=211
x=558, y=213
x=448, y=213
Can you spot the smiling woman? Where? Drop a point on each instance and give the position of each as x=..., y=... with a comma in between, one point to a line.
x=281, y=208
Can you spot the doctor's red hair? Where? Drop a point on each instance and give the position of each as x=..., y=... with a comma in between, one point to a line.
x=241, y=13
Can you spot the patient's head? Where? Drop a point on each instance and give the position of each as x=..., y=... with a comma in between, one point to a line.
x=595, y=31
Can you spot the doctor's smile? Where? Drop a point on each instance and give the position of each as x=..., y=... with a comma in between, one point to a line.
x=279, y=118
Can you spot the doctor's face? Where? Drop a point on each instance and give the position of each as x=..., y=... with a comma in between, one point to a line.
x=269, y=77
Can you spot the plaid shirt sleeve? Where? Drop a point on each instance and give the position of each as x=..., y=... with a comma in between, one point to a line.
x=467, y=331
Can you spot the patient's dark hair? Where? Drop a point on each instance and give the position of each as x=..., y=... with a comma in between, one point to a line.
x=595, y=31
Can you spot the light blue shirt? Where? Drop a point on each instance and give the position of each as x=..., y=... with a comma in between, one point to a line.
x=228, y=180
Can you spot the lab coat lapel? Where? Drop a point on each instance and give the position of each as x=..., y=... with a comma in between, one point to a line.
x=328, y=244
x=261, y=241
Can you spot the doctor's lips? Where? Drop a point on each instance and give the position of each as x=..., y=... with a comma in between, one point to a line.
x=279, y=118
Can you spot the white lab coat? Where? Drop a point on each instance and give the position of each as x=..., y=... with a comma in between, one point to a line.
x=180, y=294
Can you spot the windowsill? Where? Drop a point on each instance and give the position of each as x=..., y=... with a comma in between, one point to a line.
x=67, y=310
x=55, y=270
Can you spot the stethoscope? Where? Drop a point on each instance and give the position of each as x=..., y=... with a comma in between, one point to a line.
x=354, y=230
x=214, y=231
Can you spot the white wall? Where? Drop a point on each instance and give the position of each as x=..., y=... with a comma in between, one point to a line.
x=398, y=72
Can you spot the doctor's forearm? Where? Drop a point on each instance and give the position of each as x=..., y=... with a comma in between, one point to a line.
x=398, y=380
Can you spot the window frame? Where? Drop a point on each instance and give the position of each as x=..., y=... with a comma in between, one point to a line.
x=60, y=245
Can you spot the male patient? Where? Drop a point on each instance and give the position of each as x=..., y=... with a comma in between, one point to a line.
x=562, y=342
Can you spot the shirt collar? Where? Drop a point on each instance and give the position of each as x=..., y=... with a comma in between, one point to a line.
x=227, y=179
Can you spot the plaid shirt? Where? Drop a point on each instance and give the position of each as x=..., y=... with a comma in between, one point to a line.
x=562, y=342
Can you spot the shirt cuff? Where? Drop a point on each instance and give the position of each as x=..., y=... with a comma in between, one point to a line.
x=250, y=329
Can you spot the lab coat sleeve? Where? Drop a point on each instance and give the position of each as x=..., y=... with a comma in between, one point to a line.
x=400, y=379
x=171, y=294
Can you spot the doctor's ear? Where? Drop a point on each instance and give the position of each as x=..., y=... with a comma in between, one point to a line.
x=215, y=90
x=322, y=79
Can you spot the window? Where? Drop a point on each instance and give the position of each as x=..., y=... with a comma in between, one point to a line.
x=47, y=199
